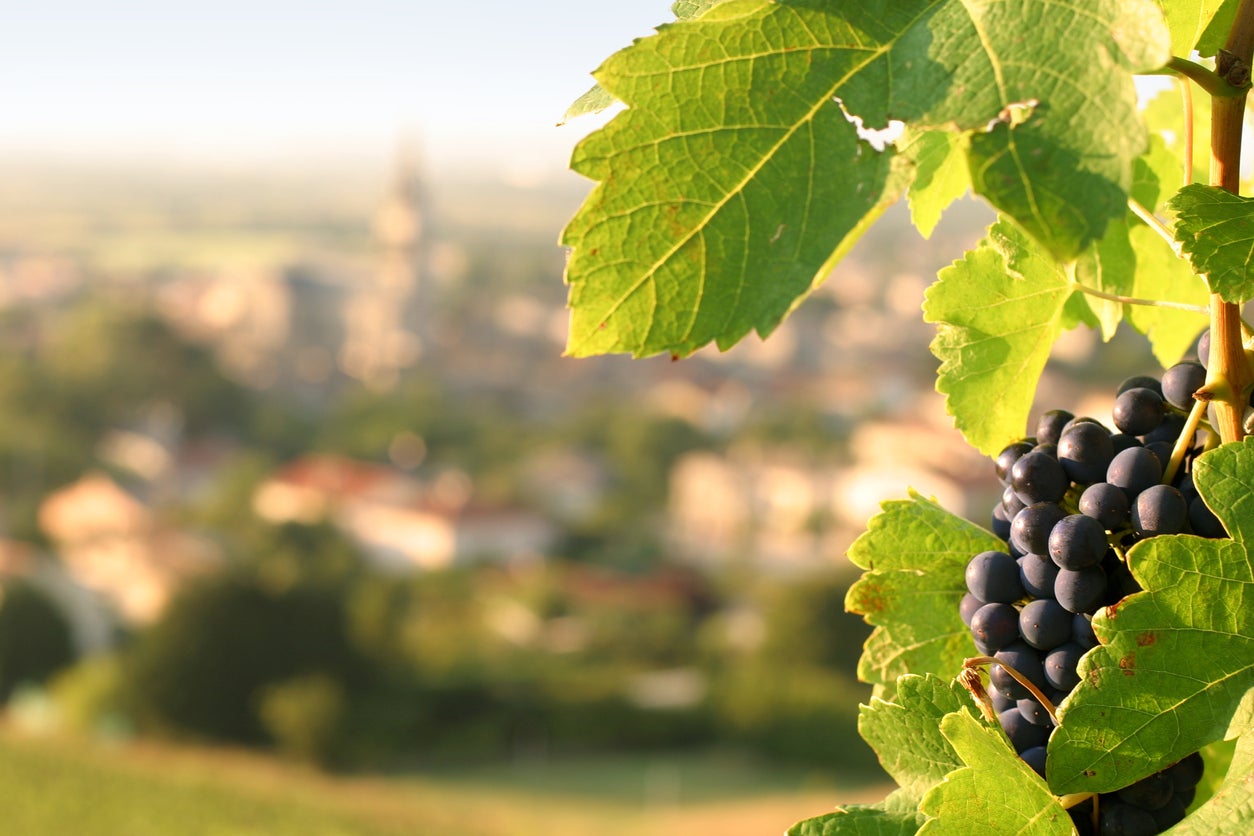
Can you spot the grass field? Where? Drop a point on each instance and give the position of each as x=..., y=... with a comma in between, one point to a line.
x=56, y=786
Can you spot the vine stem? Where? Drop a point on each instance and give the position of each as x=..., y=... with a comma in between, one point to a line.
x=1229, y=376
x=1184, y=441
x=1151, y=220
x=1132, y=300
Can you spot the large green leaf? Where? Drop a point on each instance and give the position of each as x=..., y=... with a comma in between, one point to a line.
x=1216, y=230
x=1177, y=660
x=915, y=555
x=869, y=820
x=737, y=174
x=998, y=312
x=905, y=732
x=995, y=794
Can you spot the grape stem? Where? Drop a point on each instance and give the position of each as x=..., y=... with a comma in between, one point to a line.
x=1151, y=220
x=1151, y=303
x=1217, y=85
x=1185, y=441
x=1229, y=377
x=981, y=661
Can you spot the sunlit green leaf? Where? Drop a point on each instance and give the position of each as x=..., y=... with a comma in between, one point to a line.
x=1216, y=230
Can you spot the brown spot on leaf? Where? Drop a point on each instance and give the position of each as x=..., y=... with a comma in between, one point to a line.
x=1128, y=665
x=1146, y=639
x=870, y=599
x=1090, y=773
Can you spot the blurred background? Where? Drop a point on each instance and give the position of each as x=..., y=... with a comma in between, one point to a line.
x=305, y=524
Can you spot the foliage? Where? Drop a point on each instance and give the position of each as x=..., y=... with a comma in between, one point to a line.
x=760, y=138
x=35, y=640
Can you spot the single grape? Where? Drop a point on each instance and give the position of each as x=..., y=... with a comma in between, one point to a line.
x=1000, y=522
x=1186, y=772
x=1022, y=733
x=1035, y=758
x=1117, y=818
x=1037, y=573
x=1034, y=712
x=1081, y=590
x=1049, y=427
x=1159, y=510
x=1181, y=381
x=1011, y=502
x=1038, y=477
x=1030, y=528
x=1026, y=660
x=1106, y=503
x=1170, y=814
x=1077, y=541
x=1122, y=441
x=1082, y=630
x=1008, y=456
x=1203, y=349
x=1138, y=411
x=967, y=607
x=1134, y=470
x=1149, y=793
x=993, y=577
x=1203, y=521
x=1044, y=624
x=1085, y=451
x=1060, y=666
x=1169, y=430
x=1140, y=381
x=994, y=626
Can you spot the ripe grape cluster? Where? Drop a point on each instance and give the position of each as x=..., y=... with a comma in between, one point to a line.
x=1076, y=497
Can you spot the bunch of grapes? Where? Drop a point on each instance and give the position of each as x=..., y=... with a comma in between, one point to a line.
x=1076, y=497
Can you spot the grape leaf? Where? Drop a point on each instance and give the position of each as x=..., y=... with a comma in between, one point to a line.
x=1196, y=24
x=1161, y=275
x=995, y=794
x=1109, y=266
x=998, y=312
x=915, y=555
x=940, y=175
x=905, y=732
x=739, y=172
x=1177, y=660
x=1215, y=228
x=1232, y=804
x=870, y=820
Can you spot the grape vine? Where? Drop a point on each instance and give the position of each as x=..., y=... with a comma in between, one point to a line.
x=1082, y=662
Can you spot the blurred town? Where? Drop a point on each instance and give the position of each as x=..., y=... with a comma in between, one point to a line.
x=295, y=462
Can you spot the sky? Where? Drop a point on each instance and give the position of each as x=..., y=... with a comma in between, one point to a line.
x=474, y=84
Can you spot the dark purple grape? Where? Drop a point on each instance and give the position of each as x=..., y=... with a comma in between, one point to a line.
x=1106, y=503
x=1038, y=477
x=1000, y=523
x=967, y=607
x=1044, y=624
x=1120, y=819
x=1203, y=349
x=1186, y=772
x=1049, y=427
x=1203, y=521
x=1026, y=660
x=1159, y=510
x=1077, y=541
x=1008, y=456
x=1022, y=733
x=1138, y=411
x=1037, y=573
x=1181, y=381
x=1030, y=528
x=994, y=626
x=1034, y=712
x=1169, y=430
x=1140, y=381
x=1122, y=441
x=1035, y=758
x=1149, y=793
x=993, y=577
x=1082, y=590
x=1011, y=502
x=1134, y=470
x=1163, y=450
x=1060, y=666
x=1082, y=630
x=1170, y=814
x=1085, y=451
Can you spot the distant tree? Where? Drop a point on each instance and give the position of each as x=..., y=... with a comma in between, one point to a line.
x=35, y=640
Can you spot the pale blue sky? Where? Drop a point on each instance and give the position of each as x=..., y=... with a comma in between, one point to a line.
x=282, y=79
